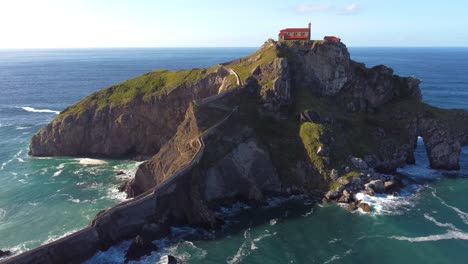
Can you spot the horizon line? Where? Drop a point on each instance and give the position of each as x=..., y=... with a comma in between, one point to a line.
x=202, y=47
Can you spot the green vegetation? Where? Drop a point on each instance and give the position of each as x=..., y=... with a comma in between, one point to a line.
x=310, y=134
x=244, y=66
x=352, y=174
x=156, y=82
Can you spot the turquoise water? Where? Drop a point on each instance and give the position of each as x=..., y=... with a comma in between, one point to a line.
x=42, y=199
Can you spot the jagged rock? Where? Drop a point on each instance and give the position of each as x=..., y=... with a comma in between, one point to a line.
x=242, y=145
x=359, y=164
x=392, y=186
x=139, y=127
x=172, y=260
x=5, y=253
x=376, y=185
x=345, y=197
x=365, y=207
x=351, y=207
x=332, y=195
x=120, y=173
x=325, y=66
x=140, y=247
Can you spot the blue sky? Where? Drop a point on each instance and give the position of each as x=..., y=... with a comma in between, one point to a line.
x=207, y=23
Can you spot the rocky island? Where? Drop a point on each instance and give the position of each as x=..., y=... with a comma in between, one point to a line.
x=295, y=117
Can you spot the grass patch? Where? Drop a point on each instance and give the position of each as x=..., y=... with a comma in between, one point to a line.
x=156, y=82
x=244, y=66
x=310, y=134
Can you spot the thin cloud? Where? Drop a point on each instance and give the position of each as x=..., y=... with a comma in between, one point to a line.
x=314, y=8
x=351, y=9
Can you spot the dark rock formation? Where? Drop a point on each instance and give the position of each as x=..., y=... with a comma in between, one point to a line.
x=5, y=253
x=140, y=247
x=308, y=119
x=171, y=259
x=365, y=207
x=137, y=127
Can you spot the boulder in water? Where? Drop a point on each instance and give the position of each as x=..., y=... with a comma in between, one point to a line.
x=140, y=247
x=365, y=207
x=172, y=260
x=5, y=253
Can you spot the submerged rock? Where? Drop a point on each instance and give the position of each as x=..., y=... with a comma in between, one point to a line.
x=208, y=148
x=140, y=247
x=172, y=260
x=5, y=253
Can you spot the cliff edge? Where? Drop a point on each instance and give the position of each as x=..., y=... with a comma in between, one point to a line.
x=303, y=118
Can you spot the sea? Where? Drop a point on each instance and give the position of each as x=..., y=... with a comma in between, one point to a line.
x=43, y=199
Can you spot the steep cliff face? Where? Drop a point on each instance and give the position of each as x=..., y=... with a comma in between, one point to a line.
x=133, y=118
x=306, y=118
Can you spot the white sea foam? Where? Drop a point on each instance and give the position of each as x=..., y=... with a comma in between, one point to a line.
x=73, y=200
x=243, y=250
x=248, y=246
x=273, y=222
x=115, y=254
x=449, y=225
x=33, y=110
x=52, y=238
x=463, y=215
x=384, y=204
x=22, y=127
x=114, y=194
x=338, y=257
x=451, y=234
x=57, y=173
x=88, y=161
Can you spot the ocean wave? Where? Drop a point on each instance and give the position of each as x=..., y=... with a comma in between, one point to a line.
x=451, y=234
x=22, y=127
x=437, y=223
x=57, y=173
x=385, y=204
x=53, y=238
x=338, y=257
x=88, y=161
x=463, y=215
x=116, y=195
x=115, y=254
x=248, y=246
x=16, y=250
x=33, y=110
x=243, y=250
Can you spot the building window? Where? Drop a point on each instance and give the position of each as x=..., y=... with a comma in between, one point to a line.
x=295, y=33
x=303, y=34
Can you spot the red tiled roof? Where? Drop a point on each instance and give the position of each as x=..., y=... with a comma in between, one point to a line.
x=294, y=30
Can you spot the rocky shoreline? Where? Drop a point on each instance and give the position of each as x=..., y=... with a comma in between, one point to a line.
x=306, y=119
